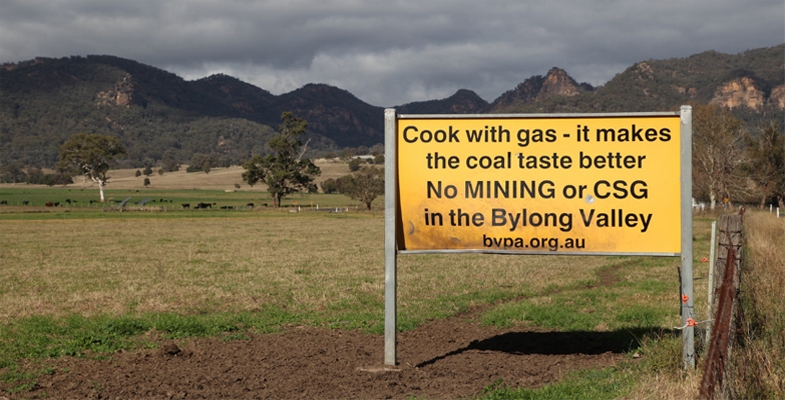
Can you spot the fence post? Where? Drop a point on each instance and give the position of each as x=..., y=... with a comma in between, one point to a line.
x=712, y=255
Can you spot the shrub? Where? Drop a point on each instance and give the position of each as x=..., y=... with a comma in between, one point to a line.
x=329, y=186
x=354, y=165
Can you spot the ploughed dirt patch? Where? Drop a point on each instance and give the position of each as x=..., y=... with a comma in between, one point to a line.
x=451, y=358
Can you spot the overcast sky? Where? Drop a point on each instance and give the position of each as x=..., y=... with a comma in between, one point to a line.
x=388, y=52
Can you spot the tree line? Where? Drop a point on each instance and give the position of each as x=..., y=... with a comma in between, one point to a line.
x=731, y=163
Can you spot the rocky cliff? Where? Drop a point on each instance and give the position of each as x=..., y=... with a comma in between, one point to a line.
x=537, y=88
x=740, y=92
x=777, y=97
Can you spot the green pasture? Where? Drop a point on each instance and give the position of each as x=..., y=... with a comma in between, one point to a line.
x=72, y=284
x=159, y=205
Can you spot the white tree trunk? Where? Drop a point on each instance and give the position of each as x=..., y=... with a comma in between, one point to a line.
x=101, y=189
x=101, y=183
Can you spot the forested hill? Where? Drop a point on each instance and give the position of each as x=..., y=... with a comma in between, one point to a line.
x=45, y=101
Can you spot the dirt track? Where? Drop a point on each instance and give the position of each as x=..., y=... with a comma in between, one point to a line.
x=451, y=358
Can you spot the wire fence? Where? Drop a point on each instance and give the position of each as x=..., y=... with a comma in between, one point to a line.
x=726, y=304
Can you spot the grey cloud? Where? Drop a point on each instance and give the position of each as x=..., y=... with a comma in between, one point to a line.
x=387, y=53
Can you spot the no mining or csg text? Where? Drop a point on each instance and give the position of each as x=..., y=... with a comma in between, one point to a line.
x=580, y=184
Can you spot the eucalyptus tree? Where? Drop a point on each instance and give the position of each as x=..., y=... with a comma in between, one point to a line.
x=286, y=171
x=90, y=155
x=364, y=185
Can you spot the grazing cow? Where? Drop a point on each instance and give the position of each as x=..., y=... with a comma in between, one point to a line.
x=49, y=204
x=4, y=202
x=57, y=204
x=250, y=205
x=186, y=205
x=68, y=201
x=25, y=203
x=203, y=205
x=227, y=207
x=93, y=201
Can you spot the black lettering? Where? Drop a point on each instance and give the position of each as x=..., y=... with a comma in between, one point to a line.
x=406, y=130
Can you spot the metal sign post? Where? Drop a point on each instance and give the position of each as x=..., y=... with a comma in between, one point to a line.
x=688, y=305
x=390, y=250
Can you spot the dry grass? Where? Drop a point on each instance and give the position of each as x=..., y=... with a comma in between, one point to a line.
x=757, y=362
x=305, y=263
x=667, y=386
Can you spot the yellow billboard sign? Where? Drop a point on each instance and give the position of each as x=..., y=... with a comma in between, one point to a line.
x=573, y=184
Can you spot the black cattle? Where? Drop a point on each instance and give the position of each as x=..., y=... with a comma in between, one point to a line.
x=57, y=204
x=186, y=205
x=203, y=206
x=68, y=201
x=227, y=207
x=4, y=202
x=25, y=203
x=250, y=205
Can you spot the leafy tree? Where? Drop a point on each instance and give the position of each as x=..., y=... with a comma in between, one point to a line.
x=148, y=171
x=60, y=178
x=716, y=152
x=328, y=186
x=354, y=165
x=90, y=155
x=364, y=185
x=138, y=173
x=160, y=171
x=197, y=162
x=284, y=172
x=169, y=162
x=377, y=149
x=12, y=172
x=146, y=182
x=346, y=153
x=206, y=167
x=35, y=176
x=766, y=165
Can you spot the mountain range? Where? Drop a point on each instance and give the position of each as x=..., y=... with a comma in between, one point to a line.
x=46, y=100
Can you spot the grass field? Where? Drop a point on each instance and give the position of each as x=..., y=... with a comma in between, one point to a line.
x=86, y=278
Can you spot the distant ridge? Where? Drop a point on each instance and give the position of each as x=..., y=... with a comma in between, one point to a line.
x=44, y=101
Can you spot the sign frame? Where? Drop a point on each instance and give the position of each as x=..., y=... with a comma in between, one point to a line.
x=394, y=234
